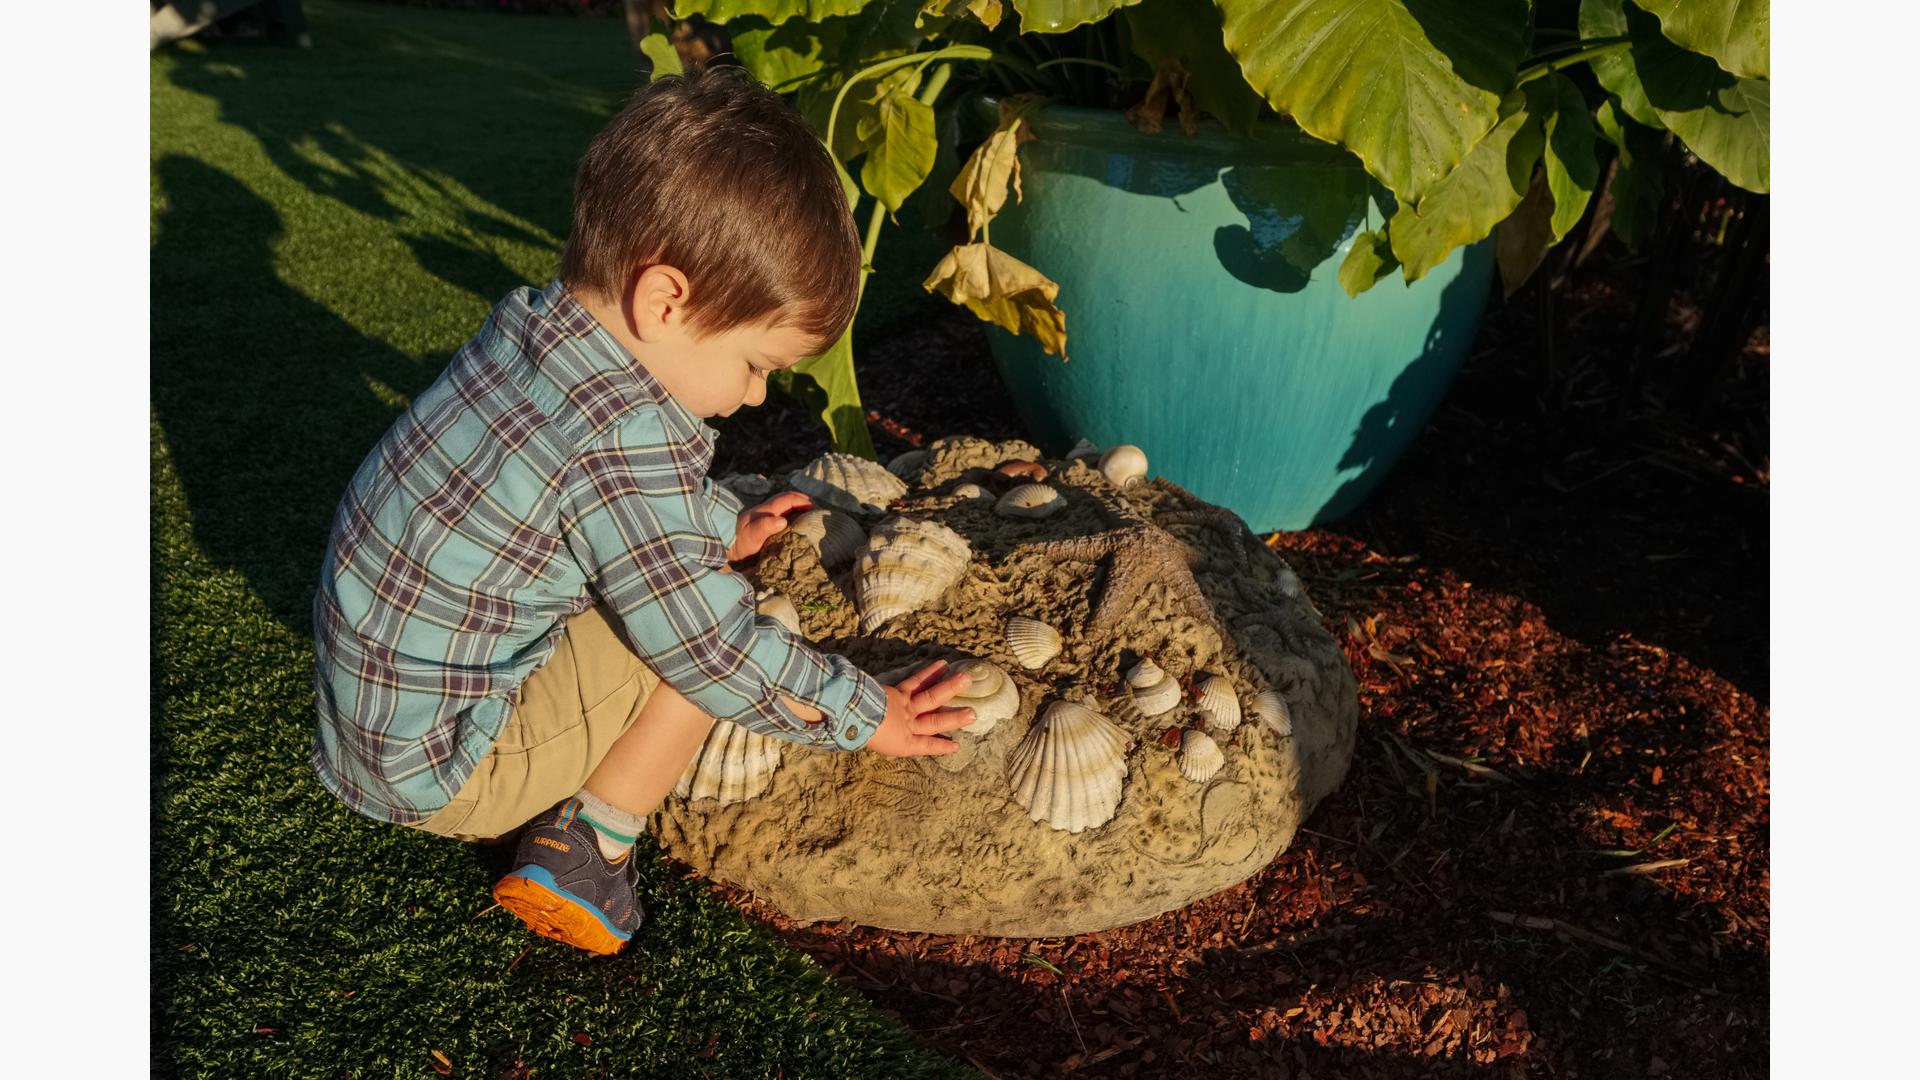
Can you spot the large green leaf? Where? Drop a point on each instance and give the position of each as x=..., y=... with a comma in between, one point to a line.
x=781, y=56
x=658, y=49
x=899, y=140
x=1724, y=120
x=1060, y=16
x=1521, y=241
x=1736, y=33
x=1573, y=170
x=825, y=385
x=1466, y=204
x=774, y=11
x=1637, y=186
x=1190, y=31
x=1408, y=85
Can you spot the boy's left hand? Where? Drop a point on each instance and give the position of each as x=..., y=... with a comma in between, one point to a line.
x=759, y=523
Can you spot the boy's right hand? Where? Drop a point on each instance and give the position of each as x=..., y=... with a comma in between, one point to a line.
x=916, y=716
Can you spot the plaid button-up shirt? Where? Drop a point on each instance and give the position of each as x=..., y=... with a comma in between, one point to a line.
x=543, y=471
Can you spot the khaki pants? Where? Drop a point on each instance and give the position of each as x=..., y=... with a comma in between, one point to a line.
x=571, y=709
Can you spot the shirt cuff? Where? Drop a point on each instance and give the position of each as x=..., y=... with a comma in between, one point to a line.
x=855, y=722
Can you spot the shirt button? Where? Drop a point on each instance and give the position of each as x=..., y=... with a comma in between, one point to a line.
x=850, y=732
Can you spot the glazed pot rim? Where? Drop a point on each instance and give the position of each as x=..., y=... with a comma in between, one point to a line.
x=1275, y=139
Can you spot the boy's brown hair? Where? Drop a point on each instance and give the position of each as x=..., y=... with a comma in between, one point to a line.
x=712, y=173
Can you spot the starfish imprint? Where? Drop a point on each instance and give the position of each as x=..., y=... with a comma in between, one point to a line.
x=1136, y=556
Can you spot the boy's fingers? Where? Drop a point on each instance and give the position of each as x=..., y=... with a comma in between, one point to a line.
x=912, y=683
x=786, y=502
x=933, y=746
x=940, y=721
x=933, y=697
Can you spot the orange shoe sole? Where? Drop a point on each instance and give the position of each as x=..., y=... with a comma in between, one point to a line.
x=554, y=916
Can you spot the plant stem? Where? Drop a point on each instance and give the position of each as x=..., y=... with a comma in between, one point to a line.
x=1527, y=75
x=951, y=52
x=1079, y=60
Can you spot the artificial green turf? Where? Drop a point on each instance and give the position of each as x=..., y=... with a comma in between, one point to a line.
x=328, y=226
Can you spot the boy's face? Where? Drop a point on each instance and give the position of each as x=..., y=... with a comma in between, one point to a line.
x=712, y=375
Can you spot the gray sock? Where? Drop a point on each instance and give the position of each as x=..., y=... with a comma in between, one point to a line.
x=615, y=828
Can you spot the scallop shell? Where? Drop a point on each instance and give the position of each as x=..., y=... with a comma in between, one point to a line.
x=1200, y=756
x=907, y=463
x=1218, y=702
x=1032, y=641
x=1153, y=690
x=733, y=765
x=847, y=482
x=780, y=608
x=1069, y=769
x=833, y=533
x=992, y=696
x=1123, y=464
x=748, y=485
x=1081, y=449
x=970, y=491
x=1269, y=706
x=905, y=566
x=1030, y=501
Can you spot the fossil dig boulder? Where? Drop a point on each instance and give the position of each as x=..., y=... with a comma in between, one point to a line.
x=1020, y=833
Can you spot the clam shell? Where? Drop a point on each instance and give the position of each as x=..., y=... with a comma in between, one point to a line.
x=833, y=533
x=1069, y=770
x=733, y=765
x=848, y=482
x=905, y=566
x=1033, y=642
x=1030, y=501
x=1081, y=449
x=1218, y=702
x=1153, y=690
x=992, y=696
x=1123, y=464
x=1270, y=707
x=1200, y=756
x=780, y=608
x=748, y=485
x=906, y=463
x=970, y=491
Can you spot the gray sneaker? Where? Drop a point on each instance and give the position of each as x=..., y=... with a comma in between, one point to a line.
x=565, y=889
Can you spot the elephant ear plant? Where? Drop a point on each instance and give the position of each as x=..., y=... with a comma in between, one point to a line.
x=1473, y=117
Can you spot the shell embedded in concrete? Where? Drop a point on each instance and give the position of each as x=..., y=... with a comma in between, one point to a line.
x=1081, y=449
x=1218, y=702
x=905, y=566
x=780, y=608
x=1033, y=642
x=748, y=485
x=906, y=463
x=970, y=492
x=1270, y=707
x=1200, y=756
x=992, y=696
x=733, y=765
x=1069, y=770
x=1030, y=501
x=1152, y=689
x=1123, y=464
x=833, y=533
x=848, y=482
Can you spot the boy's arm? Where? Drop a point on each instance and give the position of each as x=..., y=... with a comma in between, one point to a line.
x=648, y=540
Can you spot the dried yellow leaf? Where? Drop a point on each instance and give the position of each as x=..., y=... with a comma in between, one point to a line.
x=1168, y=89
x=981, y=186
x=1004, y=291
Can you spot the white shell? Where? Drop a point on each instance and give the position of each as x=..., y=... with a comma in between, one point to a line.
x=833, y=533
x=905, y=566
x=1032, y=641
x=848, y=482
x=1269, y=706
x=1030, y=501
x=748, y=485
x=1081, y=449
x=1069, y=769
x=1218, y=703
x=907, y=462
x=992, y=696
x=970, y=491
x=1153, y=690
x=1200, y=756
x=779, y=607
x=1123, y=464
x=733, y=765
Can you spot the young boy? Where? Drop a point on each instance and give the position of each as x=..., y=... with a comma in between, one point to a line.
x=527, y=613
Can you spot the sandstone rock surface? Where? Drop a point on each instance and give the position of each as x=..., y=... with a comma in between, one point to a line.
x=940, y=844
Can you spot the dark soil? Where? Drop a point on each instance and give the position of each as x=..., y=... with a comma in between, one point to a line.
x=1550, y=857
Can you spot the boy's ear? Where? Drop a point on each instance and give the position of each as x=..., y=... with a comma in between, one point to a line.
x=658, y=302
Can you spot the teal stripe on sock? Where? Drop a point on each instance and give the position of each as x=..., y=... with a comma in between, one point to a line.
x=604, y=831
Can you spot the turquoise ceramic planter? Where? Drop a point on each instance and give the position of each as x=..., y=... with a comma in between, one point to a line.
x=1205, y=323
